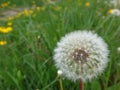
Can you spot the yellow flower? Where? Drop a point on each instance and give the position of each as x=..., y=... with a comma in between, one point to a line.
x=3, y=5
x=25, y=12
x=9, y=29
x=6, y=29
x=87, y=4
x=18, y=15
x=110, y=11
x=31, y=11
x=38, y=8
x=9, y=23
x=10, y=18
x=3, y=43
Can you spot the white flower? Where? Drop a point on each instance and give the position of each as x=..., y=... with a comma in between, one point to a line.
x=81, y=55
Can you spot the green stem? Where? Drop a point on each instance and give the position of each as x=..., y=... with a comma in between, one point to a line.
x=60, y=81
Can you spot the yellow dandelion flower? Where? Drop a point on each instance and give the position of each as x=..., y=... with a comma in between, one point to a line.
x=38, y=8
x=1, y=28
x=9, y=23
x=31, y=11
x=10, y=18
x=25, y=12
x=87, y=4
x=3, y=43
x=19, y=14
x=9, y=29
x=6, y=29
x=110, y=11
x=3, y=5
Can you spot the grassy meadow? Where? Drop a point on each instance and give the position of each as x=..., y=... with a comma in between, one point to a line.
x=30, y=30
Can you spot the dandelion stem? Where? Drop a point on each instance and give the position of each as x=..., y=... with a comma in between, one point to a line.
x=60, y=81
x=81, y=85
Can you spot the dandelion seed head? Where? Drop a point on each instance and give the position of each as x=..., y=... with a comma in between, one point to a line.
x=81, y=55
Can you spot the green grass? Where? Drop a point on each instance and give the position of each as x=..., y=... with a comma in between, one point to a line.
x=26, y=62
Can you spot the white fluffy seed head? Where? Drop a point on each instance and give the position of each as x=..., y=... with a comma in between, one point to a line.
x=115, y=12
x=81, y=55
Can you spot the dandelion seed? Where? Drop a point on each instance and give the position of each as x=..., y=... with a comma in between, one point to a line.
x=81, y=55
